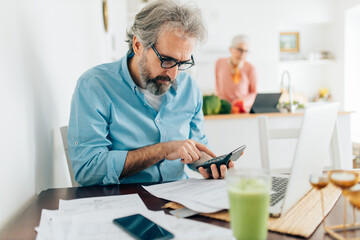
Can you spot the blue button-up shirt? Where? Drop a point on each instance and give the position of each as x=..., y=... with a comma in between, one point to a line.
x=110, y=116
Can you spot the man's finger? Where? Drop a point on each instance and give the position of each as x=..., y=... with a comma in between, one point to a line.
x=223, y=170
x=214, y=171
x=194, y=156
x=203, y=172
x=231, y=164
x=205, y=149
x=198, y=152
x=185, y=157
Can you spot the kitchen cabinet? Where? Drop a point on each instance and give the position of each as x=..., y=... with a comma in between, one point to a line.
x=227, y=132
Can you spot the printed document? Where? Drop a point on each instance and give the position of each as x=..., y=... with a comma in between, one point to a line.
x=201, y=195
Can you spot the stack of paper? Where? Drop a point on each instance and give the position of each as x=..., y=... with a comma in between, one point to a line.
x=200, y=195
x=92, y=218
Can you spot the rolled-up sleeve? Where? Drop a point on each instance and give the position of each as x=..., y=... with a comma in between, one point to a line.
x=93, y=161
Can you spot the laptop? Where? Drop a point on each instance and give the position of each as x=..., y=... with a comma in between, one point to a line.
x=311, y=151
x=265, y=103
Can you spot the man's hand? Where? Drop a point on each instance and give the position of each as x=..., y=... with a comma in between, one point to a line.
x=188, y=150
x=214, y=172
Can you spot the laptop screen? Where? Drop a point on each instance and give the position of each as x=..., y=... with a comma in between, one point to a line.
x=311, y=151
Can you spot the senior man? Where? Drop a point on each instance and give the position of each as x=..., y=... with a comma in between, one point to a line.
x=140, y=119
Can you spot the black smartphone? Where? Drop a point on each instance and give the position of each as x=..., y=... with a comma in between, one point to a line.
x=143, y=228
x=224, y=159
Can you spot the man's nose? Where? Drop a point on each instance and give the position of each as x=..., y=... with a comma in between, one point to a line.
x=172, y=72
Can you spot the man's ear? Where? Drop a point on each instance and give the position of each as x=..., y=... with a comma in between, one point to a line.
x=137, y=46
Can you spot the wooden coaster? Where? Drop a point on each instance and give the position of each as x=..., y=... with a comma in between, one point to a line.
x=221, y=215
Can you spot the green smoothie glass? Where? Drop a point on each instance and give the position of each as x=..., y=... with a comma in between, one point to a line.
x=249, y=196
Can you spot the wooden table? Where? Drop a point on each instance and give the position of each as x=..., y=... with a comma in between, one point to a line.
x=22, y=227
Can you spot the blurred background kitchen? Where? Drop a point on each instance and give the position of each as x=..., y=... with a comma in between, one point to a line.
x=46, y=44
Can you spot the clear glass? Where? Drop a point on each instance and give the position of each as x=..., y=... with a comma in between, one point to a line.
x=353, y=196
x=344, y=179
x=319, y=181
x=249, y=196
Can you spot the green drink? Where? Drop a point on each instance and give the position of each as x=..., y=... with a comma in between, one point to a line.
x=249, y=195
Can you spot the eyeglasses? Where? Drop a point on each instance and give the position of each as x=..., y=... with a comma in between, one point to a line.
x=168, y=62
x=241, y=50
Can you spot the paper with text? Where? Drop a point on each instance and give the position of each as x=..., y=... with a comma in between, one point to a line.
x=101, y=203
x=56, y=224
x=100, y=226
x=201, y=195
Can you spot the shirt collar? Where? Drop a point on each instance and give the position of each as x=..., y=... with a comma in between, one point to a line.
x=174, y=85
x=124, y=71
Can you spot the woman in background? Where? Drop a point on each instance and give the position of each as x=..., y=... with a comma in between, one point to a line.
x=235, y=77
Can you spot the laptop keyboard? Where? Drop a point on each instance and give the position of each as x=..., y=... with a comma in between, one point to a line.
x=279, y=187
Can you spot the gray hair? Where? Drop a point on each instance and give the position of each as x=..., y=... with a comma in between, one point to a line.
x=239, y=39
x=166, y=15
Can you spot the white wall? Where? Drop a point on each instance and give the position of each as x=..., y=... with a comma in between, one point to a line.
x=340, y=80
x=45, y=45
x=336, y=81
x=17, y=171
x=352, y=70
x=262, y=21
x=238, y=17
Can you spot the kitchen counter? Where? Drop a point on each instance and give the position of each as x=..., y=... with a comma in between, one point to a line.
x=251, y=115
x=229, y=131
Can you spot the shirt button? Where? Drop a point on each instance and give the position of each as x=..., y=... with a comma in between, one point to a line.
x=157, y=120
x=162, y=164
x=76, y=143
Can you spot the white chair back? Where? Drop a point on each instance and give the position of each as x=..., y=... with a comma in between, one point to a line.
x=267, y=134
x=63, y=131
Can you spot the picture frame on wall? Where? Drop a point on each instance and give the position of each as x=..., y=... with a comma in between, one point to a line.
x=289, y=42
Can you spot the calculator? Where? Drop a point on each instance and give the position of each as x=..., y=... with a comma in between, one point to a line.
x=223, y=159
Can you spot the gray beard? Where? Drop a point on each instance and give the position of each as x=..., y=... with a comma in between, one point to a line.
x=152, y=84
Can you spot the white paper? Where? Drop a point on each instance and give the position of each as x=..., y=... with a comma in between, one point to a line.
x=101, y=203
x=53, y=225
x=99, y=225
x=61, y=225
x=45, y=228
x=56, y=224
x=202, y=195
x=92, y=218
x=185, y=229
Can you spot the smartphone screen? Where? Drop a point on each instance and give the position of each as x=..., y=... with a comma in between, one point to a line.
x=142, y=228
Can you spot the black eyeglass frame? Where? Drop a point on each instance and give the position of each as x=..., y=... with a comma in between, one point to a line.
x=241, y=50
x=176, y=63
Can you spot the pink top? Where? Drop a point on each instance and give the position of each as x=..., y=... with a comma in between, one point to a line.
x=230, y=91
